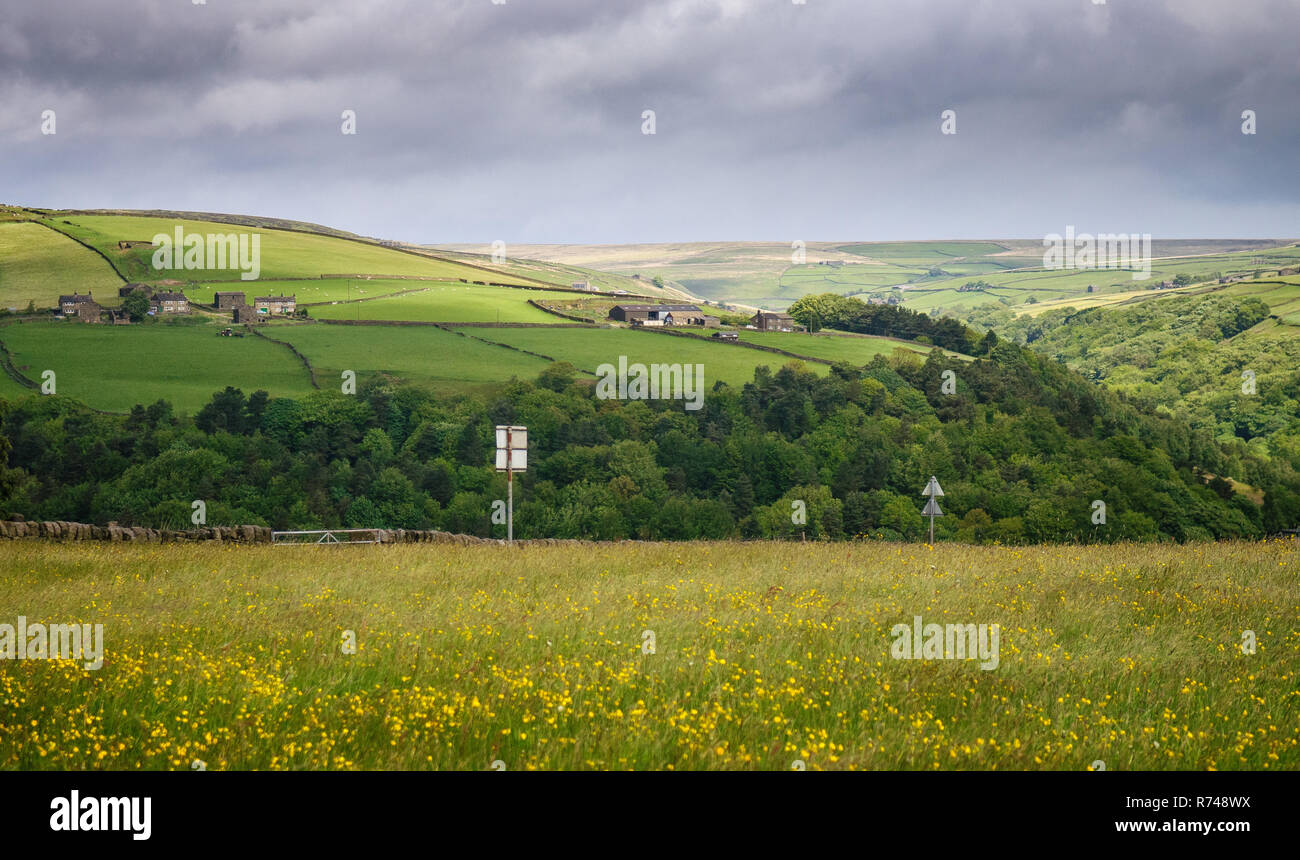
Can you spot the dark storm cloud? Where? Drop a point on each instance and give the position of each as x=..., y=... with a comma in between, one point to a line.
x=522, y=121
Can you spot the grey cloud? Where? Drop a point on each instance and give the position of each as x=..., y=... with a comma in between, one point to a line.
x=522, y=121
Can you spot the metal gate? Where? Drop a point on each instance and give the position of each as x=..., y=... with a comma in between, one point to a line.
x=326, y=537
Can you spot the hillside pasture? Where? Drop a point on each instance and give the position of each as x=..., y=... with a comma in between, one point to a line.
x=447, y=302
x=116, y=367
x=284, y=254
x=587, y=349
x=37, y=265
x=444, y=360
x=857, y=350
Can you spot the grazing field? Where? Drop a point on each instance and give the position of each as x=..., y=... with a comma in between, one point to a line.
x=855, y=349
x=1282, y=296
x=931, y=274
x=284, y=254
x=310, y=290
x=115, y=367
x=37, y=265
x=445, y=360
x=443, y=302
x=554, y=273
x=587, y=349
x=763, y=654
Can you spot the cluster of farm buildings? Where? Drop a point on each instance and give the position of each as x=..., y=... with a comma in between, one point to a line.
x=84, y=308
x=689, y=315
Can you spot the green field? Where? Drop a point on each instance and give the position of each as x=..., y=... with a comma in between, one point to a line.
x=855, y=349
x=763, y=654
x=445, y=360
x=553, y=273
x=37, y=265
x=115, y=367
x=587, y=349
x=1282, y=296
x=284, y=254
x=924, y=253
x=443, y=302
x=762, y=274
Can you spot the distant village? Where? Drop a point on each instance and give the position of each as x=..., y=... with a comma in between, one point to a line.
x=164, y=303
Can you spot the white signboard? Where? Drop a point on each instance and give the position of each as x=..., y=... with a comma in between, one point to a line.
x=515, y=447
x=518, y=437
x=518, y=460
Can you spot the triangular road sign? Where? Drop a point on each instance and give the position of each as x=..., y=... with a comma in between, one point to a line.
x=932, y=509
x=932, y=488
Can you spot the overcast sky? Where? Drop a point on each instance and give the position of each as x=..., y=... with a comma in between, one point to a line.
x=522, y=120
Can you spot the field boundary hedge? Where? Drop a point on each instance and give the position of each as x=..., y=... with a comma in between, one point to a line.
x=573, y=317
x=111, y=264
x=516, y=348
x=450, y=323
x=7, y=363
x=311, y=371
x=745, y=344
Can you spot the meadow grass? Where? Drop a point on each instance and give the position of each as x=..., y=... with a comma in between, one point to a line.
x=764, y=653
x=37, y=265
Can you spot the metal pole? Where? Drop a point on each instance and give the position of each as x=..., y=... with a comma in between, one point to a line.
x=931, y=529
x=510, y=488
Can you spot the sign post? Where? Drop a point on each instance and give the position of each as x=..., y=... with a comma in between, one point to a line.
x=932, y=491
x=512, y=456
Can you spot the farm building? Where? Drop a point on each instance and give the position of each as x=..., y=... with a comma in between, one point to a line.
x=726, y=335
x=272, y=305
x=170, y=303
x=68, y=305
x=774, y=321
x=244, y=314
x=225, y=301
x=127, y=290
x=129, y=244
x=119, y=318
x=703, y=320
x=584, y=285
x=653, y=315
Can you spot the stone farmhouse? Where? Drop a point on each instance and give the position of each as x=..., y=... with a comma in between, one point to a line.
x=170, y=303
x=775, y=321
x=225, y=301
x=272, y=305
x=79, y=307
x=655, y=315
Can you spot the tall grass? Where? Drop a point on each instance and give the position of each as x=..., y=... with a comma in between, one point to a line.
x=764, y=653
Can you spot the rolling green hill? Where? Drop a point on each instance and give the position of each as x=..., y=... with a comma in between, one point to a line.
x=284, y=254
x=38, y=264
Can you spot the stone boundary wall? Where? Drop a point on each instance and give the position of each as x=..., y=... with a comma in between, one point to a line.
x=113, y=533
